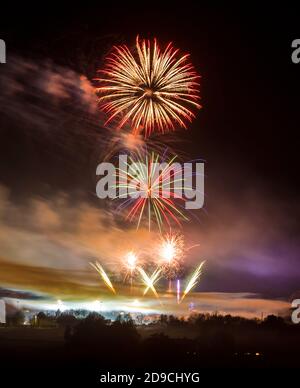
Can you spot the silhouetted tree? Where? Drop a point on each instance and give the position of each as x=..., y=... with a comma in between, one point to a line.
x=66, y=319
x=17, y=319
x=273, y=322
x=68, y=333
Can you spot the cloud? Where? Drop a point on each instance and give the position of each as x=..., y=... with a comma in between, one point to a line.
x=49, y=104
x=47, y=244
x=16, y=294
x=249, y=242
x=255, y=235
x=65, y=234
x=42, y=82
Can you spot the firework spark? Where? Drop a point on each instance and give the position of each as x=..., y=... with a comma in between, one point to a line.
x=171, y=254
x=151, y=89
x=131, y=261
x=150, y=281
x=172, y=247
x=103, y=275
x=130, y=265
x=148, y=186
x=193, y=280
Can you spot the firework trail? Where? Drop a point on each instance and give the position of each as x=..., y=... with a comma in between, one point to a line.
x=103, y=275
x=178, y=290
x=148, y=186
x=193, y=280
x=151, y=89
x=150, y=282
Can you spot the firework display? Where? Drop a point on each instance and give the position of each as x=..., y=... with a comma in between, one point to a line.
x=149, y=88
x=171, y=254
x=193, y=280
x=150, y=281
x=148, y=205
x=103, y=275
x=146, y=92
x=148, y=190
x=131, y=261
x=130, y=265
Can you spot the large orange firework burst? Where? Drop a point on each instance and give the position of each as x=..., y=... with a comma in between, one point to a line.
x=151, y=89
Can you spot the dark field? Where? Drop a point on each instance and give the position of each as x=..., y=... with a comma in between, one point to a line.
x=79, y=353
x=217, y=342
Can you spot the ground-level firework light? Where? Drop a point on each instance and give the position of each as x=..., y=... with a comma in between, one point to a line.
x=152, y=186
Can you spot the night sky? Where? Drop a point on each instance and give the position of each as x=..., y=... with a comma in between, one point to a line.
x=52, y=139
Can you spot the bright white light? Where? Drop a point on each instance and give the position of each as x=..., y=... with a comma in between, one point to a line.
x=168, y=251
x=95, y=306
x=136, y=303
x=131, y=260
x=60, y=305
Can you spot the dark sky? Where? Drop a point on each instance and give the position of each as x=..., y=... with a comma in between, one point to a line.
x=247, y=131
x=249, y=88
